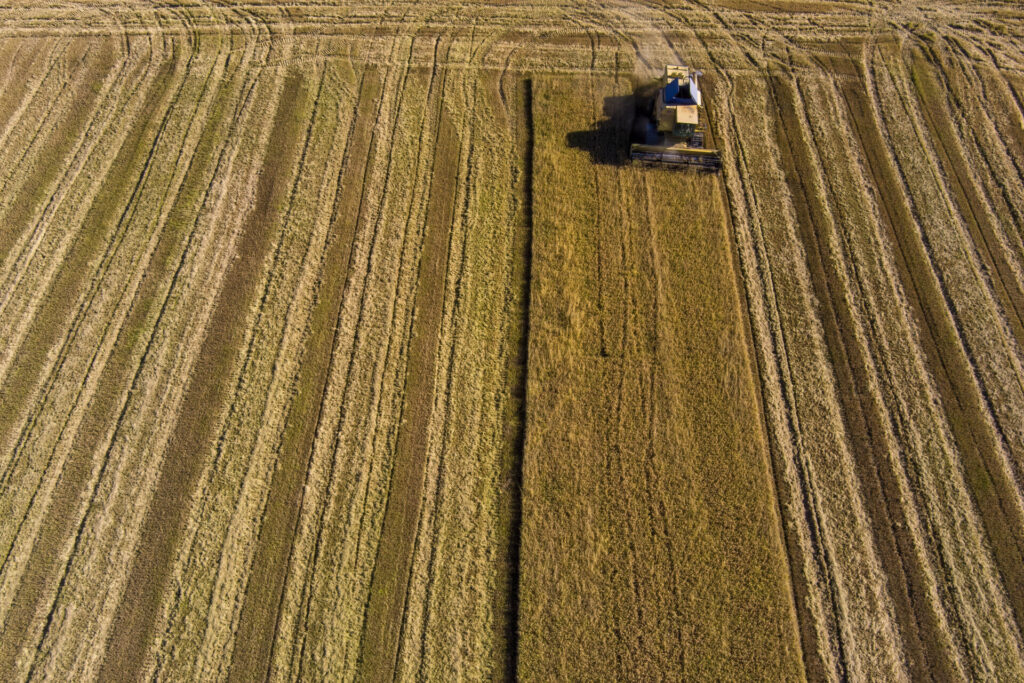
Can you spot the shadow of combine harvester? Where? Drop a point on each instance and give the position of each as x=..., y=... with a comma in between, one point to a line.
x=607, y=142
x=661, y=124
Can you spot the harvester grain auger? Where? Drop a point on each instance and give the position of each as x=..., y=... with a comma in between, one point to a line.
x=671, y=128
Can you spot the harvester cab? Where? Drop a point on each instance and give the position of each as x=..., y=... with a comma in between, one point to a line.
x=671, y=129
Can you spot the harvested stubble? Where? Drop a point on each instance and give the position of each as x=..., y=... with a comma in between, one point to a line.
x=117, y=474
x=942, y=515
x=869, y=335
x=846, y=607
x=196, y=425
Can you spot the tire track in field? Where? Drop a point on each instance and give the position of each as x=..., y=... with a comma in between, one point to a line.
x=390, y=304
x=28, y=101
x=248, y=375
x=267, y=354
x=463, y=99
x=80, y=324
x=261, y=609
x=982, y=115
x=84, y=606
x=918, y=623
x=413, y=642
x=966, y=195
x=384, y=614
x=311, y=384
x=83, y=174
x=994, y=120
x=207, y=387
x=1013, y=135
x=826, y=651
x=387, y=410
x=57, y=107
x=341, y=506
x=200, y=251
x=133, y=408
x=365, y=369
x=158, y=281
x=981, y=332
x=66, y=209
x=44, y=555
x=17, y=84
x=601, y=220
x=82, y=394
x=100, y=462
x=811, y=640
x=44, y=160
x=214, y=511
x=426, y=583
x=17, y=64
x=993, y=493
x=341, y=106
x=46, y=330
x=996, y=106
x=926, y=473
x=353, y=206
x=91, y=158
x=12, y=56
x=984, y=333
x=137, y=148
x=981, y=327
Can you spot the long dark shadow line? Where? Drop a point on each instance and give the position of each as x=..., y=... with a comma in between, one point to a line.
x=512, y=660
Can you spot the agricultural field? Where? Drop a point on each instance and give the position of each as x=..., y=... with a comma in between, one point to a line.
x=340, y=341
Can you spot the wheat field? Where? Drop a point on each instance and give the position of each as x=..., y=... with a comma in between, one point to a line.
x=339, y=341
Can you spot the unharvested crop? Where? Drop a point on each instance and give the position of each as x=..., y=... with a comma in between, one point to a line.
x=650, y=531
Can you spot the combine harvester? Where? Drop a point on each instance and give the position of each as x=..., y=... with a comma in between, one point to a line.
x=671, y=131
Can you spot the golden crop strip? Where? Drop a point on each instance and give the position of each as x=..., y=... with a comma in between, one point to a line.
x=646, y=474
